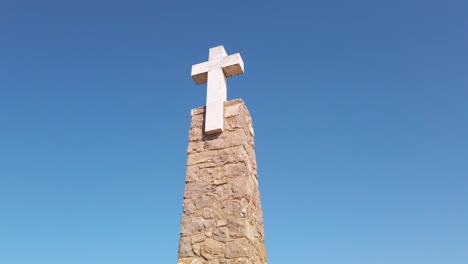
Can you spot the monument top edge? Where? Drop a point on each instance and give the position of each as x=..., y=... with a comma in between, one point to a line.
x=201, y=109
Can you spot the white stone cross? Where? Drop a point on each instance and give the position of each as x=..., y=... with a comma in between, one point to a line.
x=214, y=73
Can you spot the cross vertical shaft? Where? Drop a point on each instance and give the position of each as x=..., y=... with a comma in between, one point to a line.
x=216, y=95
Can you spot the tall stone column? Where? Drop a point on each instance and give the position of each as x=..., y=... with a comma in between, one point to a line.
x=222, y=221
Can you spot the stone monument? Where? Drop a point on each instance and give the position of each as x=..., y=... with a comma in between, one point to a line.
x=222, y=221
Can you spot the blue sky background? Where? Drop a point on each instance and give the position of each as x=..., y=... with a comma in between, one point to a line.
x=359, y=107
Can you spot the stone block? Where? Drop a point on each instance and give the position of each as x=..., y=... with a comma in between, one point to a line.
x=197, y=238
x=185, y=248
x=241, y=227
x=196, y=260
x=212, y=249
x=221, y=234
x=201, y=157
x=196, y=225
x=197, y=189
x=238, y=248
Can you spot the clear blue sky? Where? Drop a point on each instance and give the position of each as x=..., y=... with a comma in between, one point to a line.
x=360, y=112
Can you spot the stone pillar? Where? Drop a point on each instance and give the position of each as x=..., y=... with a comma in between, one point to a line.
x=222, y=221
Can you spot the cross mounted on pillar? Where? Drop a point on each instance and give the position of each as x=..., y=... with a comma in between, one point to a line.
x=214, y=73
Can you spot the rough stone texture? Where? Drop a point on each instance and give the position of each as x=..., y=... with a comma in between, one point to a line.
x=222, y=220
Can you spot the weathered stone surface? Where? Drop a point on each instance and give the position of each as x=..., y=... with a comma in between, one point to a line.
x=209, y=213
x=195, y=134
x=221, y=192
x=197, y=189
x=212, y=249
x=241, y=187
x=221, y=234
x=231, y=110
x=192, y=174
x=263, y=255
x=189, y=207
x=196, y=225
x=196, y=260
x=222, y=221
x=234, y=208
x=243, y=261
x=201, y=157
x=241, y=227
x=202, y=201
x=194, y=147
x=197, y=249
x=185, y=248
x=198, y=238
x=238, y=248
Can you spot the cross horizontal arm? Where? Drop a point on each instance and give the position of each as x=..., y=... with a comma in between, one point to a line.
x=232, y=65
